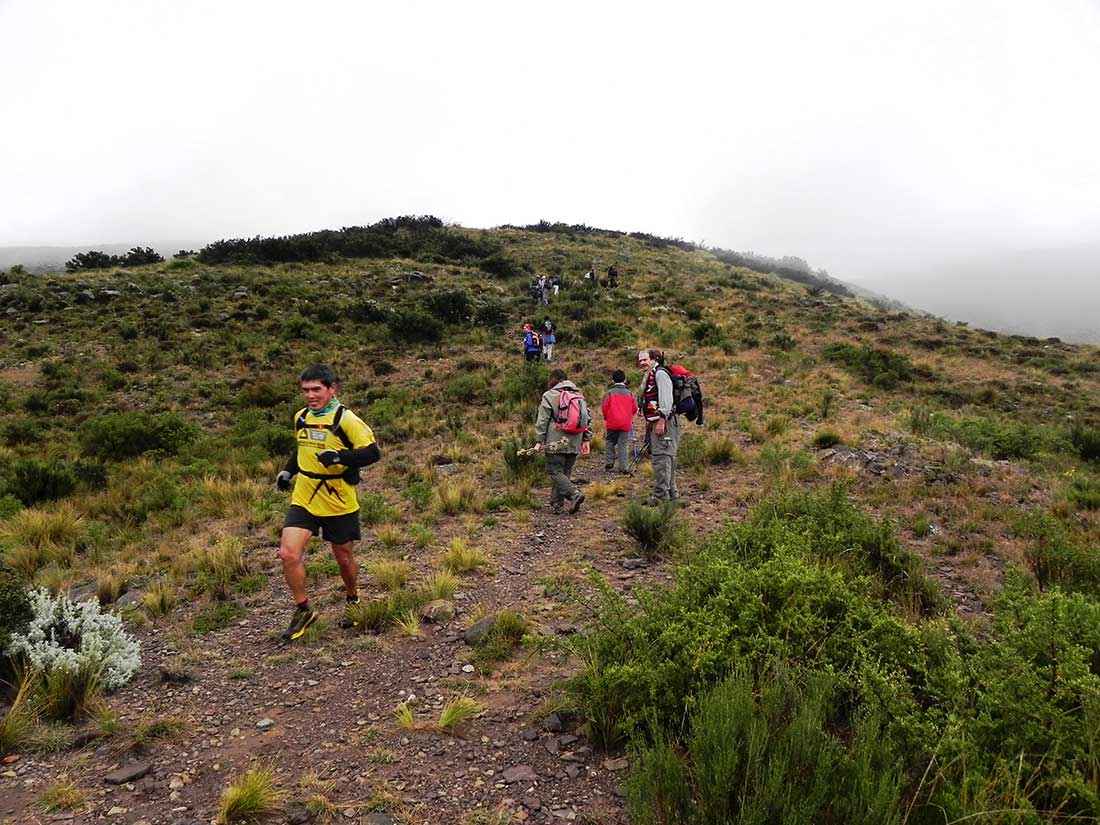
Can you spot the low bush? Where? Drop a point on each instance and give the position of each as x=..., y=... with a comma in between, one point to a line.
x=792, y=641
x=879, y=367
x=33, y=481
x=126, y=435
x=1085, y=441
x=825, y=439
x=601, y=332
x=1084, y=493
x=76, y=649
x=651, y=527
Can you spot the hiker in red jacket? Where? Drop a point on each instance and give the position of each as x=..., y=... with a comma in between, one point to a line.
x=619, y=408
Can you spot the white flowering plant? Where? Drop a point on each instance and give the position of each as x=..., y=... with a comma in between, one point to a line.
x=67, y=637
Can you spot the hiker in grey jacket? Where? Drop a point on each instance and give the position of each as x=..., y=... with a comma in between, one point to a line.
x=662, y=424
x=561, y=448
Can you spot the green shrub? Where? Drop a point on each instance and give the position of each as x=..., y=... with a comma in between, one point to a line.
x=1084, y=493
x=651, y=527
x=32, y=481
x=524, y=385
x=999, y=439
x=522, y=466
x=601, y=332
x=826, y=439
x=127, y=435
x=879, y=367
x=448, y=305
x=414, y=326
x=374, y=509
x=1054, y=558
x=770, y=738
x=1085, y=441
x=15, y=606
x=708, y=334
x=900, y=714
x=465, y=389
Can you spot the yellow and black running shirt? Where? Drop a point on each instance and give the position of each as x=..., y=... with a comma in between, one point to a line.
x=331, y=496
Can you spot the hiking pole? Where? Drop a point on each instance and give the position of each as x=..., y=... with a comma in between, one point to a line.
x=638, y=455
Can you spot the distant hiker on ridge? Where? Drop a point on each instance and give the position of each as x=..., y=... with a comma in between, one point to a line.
x=532, y=344
x=547, y=333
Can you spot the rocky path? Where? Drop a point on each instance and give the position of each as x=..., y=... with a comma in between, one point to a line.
x=321, y=713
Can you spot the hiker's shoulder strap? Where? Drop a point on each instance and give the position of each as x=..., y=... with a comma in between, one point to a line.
x=300, y=419
x=337, y=430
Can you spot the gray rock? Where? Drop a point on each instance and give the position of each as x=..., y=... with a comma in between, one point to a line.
x=379, y=819
x=519, y=773
x=567, y=740
x=128, y=773
x=298, y=814
x=84, y=592
x=477, y=632
x=615, y=765
x=632, y=564
x=438, y=611
x=131, y=598
x=265, y=724
x=552, y=723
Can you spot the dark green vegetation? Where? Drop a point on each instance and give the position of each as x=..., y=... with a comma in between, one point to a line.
x=802, y=670
x=144, y=413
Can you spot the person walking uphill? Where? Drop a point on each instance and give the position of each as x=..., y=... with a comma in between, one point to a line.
x=331, y=444
x=562, y=432
x=619, y=409
x=662, y=425
x=532, y=344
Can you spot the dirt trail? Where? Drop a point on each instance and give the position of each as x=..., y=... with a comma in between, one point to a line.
x=328, y=709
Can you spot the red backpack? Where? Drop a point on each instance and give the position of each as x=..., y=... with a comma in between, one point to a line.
x=572, y=413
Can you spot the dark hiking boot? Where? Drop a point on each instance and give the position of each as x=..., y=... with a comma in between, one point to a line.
x=299, y=622
x=576, y=502
x=348, y=623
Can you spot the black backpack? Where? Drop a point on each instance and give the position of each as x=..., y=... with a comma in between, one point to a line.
x=687, y=394
x=351, y=474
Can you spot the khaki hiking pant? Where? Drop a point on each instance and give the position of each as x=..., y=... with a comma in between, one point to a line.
x=560, y=467
x=617, y=449
x=664, y=449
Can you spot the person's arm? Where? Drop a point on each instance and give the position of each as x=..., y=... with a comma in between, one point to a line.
x=664, y=393
x=292, y=461
x=364, y=451
x=542, y=421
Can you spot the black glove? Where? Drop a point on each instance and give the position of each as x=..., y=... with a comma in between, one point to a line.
x=282, y=480
x=328, y=457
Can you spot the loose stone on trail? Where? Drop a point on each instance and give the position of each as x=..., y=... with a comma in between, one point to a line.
x=128, y=773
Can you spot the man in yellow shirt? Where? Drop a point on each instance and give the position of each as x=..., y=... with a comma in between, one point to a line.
x=331, y=444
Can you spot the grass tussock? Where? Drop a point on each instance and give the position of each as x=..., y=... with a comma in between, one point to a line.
x=390, y=574
x=62, y=795
x=441, y=584
x=457, y=713
x=651, y=527
x=252, y=797
x=460, y=557
x=453, y=497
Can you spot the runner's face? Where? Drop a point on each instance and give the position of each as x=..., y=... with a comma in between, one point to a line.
x=317, y=395
x=643, y=360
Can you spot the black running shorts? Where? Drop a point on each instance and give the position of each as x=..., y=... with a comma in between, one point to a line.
x=335, y=529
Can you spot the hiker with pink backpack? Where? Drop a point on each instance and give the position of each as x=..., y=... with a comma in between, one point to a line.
x=562, y=432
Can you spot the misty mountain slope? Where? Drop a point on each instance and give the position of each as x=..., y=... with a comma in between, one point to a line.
x=1054, y=292
x=899, y=511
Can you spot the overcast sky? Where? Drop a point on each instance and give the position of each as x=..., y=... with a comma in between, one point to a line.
x=858, y=135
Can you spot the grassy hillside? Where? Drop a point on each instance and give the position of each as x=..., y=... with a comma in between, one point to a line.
x=885, y=561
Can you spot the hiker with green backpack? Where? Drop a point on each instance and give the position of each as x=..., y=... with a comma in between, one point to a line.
x=562, y=432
